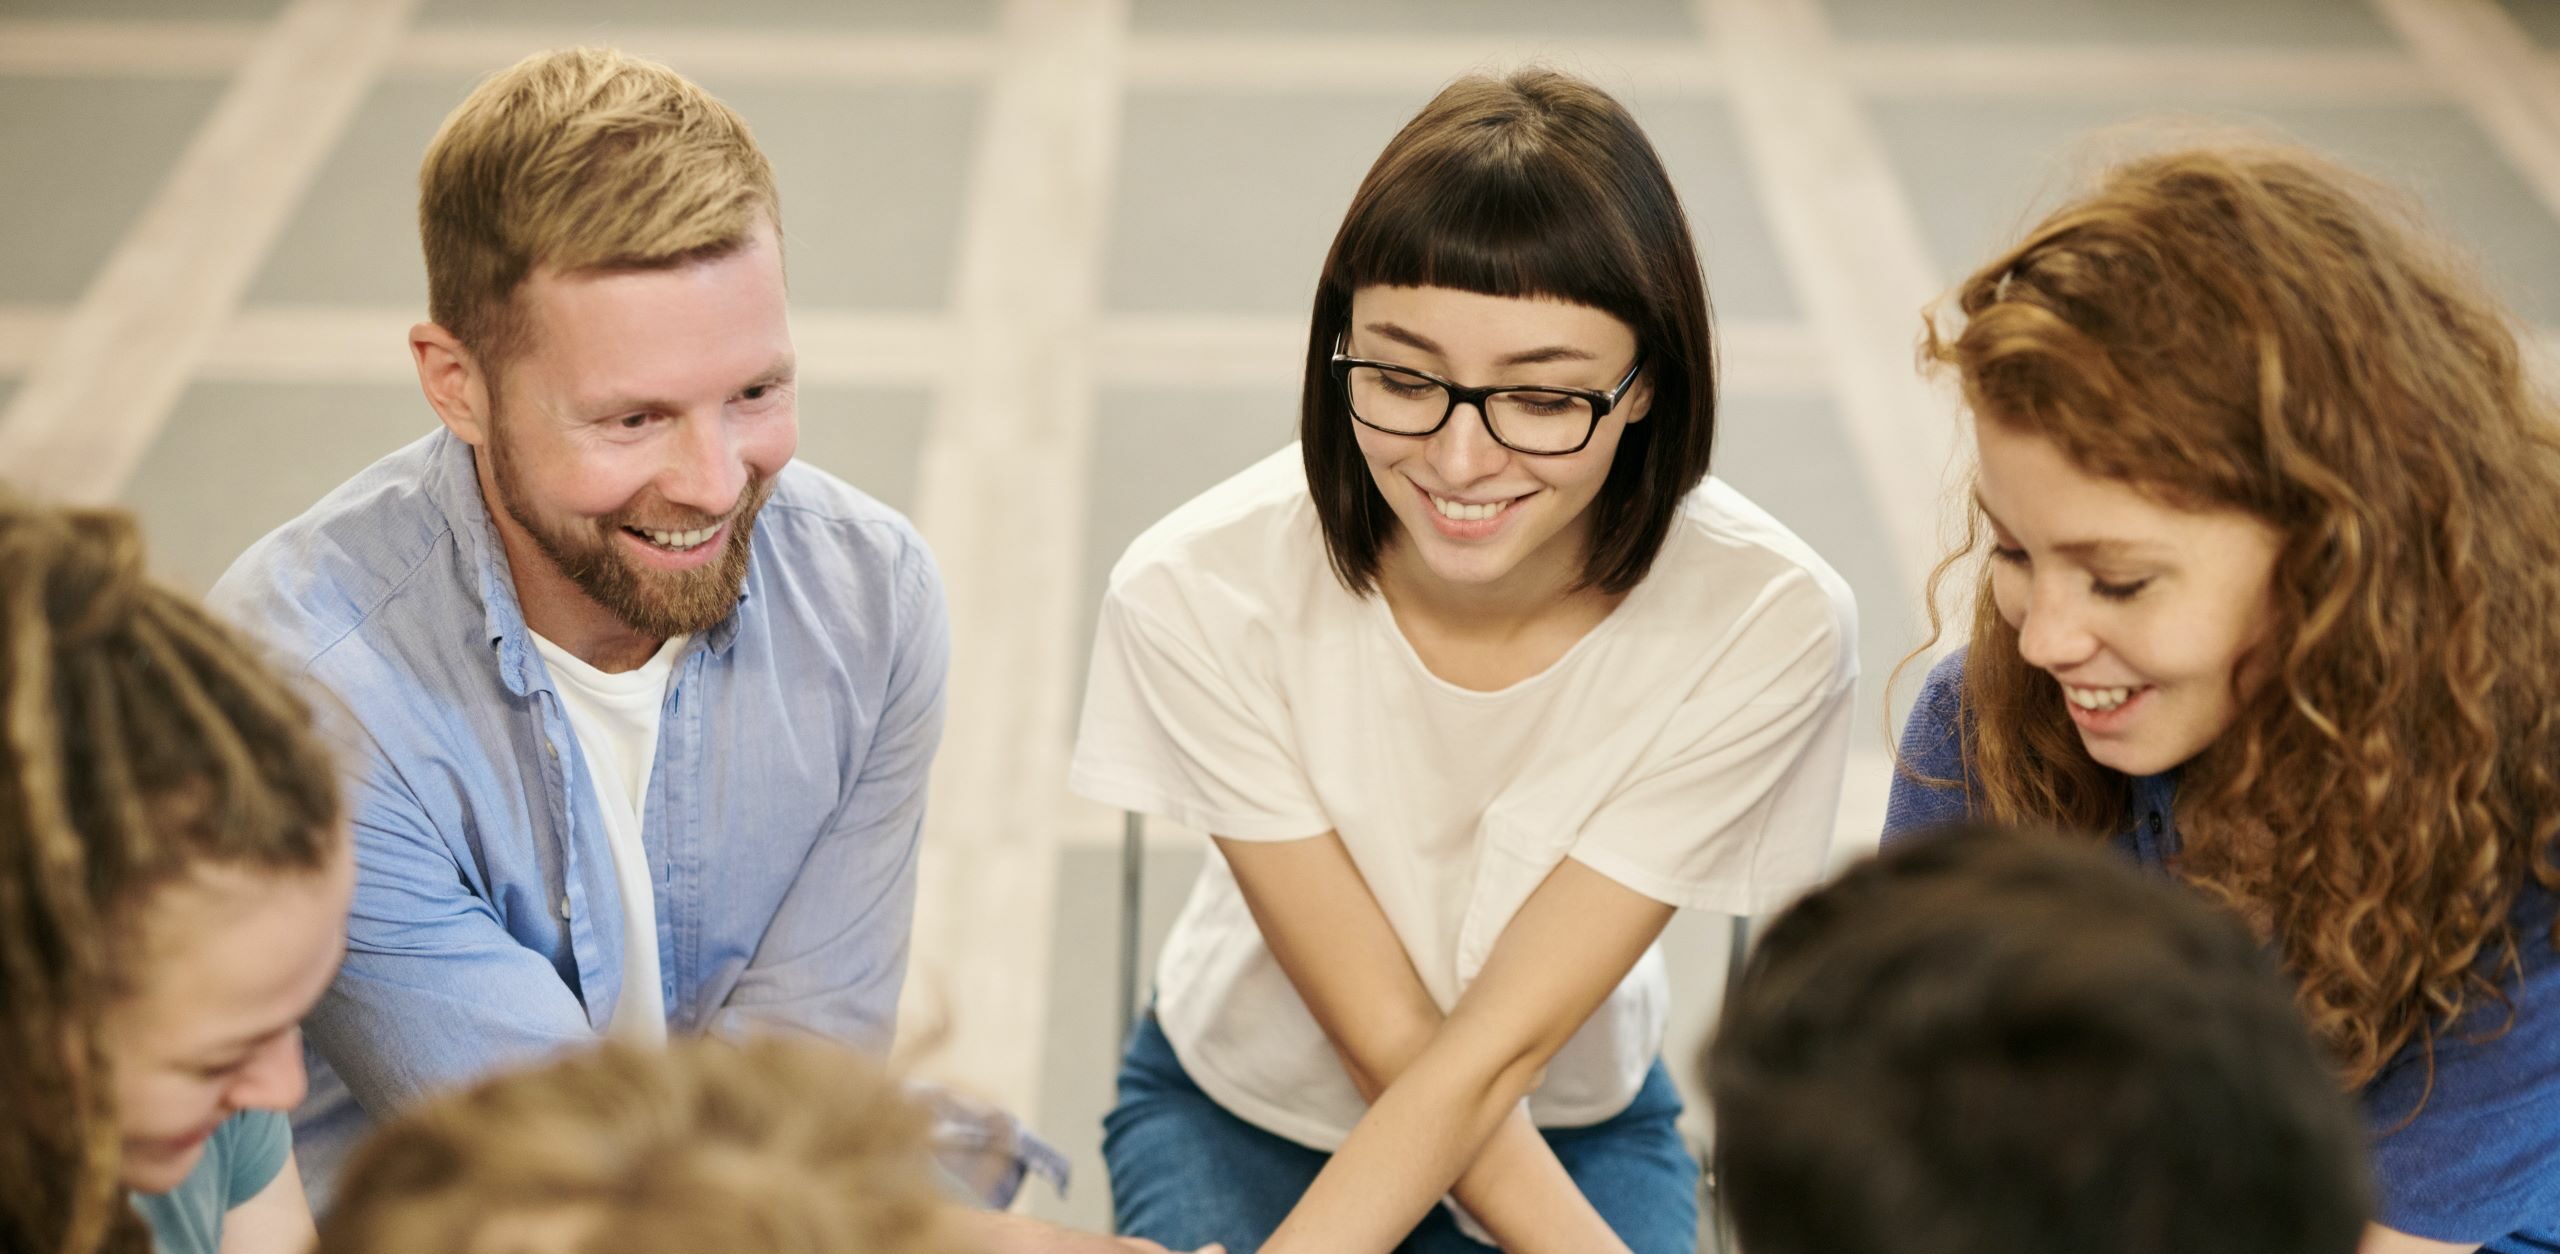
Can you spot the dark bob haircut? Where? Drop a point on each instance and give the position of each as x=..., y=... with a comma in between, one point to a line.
x=1535, y=185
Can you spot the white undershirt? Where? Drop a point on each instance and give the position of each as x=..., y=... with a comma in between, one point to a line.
x=616, y=720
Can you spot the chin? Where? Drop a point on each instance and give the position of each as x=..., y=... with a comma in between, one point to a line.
x=2137, y=759
x=1469, y=569
x=2115, y=757
x=1459, y=561
x=159, y=1173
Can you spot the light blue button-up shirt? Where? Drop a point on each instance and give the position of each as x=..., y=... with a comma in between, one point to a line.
x=782, y=815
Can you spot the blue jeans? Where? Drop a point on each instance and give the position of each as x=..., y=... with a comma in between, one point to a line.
x=1185, y=1172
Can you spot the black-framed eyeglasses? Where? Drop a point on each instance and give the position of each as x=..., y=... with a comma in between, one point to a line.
x=1539, y=421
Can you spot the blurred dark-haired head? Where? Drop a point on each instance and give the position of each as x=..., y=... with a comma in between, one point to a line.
x=1990, y=1041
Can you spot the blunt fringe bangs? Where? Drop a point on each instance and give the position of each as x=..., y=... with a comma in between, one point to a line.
x=1536, y=185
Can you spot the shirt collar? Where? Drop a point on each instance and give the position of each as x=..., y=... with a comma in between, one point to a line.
x=453, y=483
x=2158, y=794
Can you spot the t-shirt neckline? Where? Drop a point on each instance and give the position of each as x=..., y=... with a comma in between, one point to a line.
x=649, y=677
x=1384, y=616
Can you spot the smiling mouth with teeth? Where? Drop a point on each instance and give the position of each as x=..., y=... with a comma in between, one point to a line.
x=678, y=541
x=1464, y=512
x=2098, y=700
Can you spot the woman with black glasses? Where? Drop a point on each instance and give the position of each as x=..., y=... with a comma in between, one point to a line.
x=1473, y=688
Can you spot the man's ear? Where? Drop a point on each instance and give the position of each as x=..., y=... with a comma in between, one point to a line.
x=454, y=382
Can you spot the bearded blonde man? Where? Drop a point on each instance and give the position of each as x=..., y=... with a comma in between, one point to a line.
x=646, y=707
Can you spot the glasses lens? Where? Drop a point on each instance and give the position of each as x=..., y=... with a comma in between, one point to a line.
x=1540, y=422
x=1394, y=400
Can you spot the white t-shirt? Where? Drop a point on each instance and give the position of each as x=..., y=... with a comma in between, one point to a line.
x=616, y=720
x=1690, y=747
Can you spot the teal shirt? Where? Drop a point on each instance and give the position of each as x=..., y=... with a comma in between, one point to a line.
x=240, y=1161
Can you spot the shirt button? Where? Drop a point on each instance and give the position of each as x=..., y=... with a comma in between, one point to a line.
x=564, y=907
x=553, y=746
x=2156, y=824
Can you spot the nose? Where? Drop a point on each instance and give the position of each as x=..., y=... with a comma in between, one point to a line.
x=1463, y=450
x=2054, y=634
x=704, y=470
x=273, y=1078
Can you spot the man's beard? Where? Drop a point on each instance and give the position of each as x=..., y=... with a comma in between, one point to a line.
x=656, y=604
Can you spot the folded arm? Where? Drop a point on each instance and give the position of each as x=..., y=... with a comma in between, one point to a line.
x=435, y=991
x=276, y=1221
x=1446, y=1094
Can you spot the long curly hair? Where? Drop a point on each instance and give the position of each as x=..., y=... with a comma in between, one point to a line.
x=140, y=739
x=2247, y=326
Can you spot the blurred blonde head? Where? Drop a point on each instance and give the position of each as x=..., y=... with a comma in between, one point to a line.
x=772, y=1146
x=579, y=160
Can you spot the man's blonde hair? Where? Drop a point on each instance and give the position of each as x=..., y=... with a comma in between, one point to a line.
x=779, y=1144
x=581, y=159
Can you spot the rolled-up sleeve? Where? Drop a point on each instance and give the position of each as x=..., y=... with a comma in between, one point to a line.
x=1173, y=728
x=1736, y=808
x=434, y=991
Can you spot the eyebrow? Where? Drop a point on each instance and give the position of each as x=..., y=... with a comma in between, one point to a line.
x=1526, y=357
x=781, y=371
x=227, y=1050
x=2081, y=548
